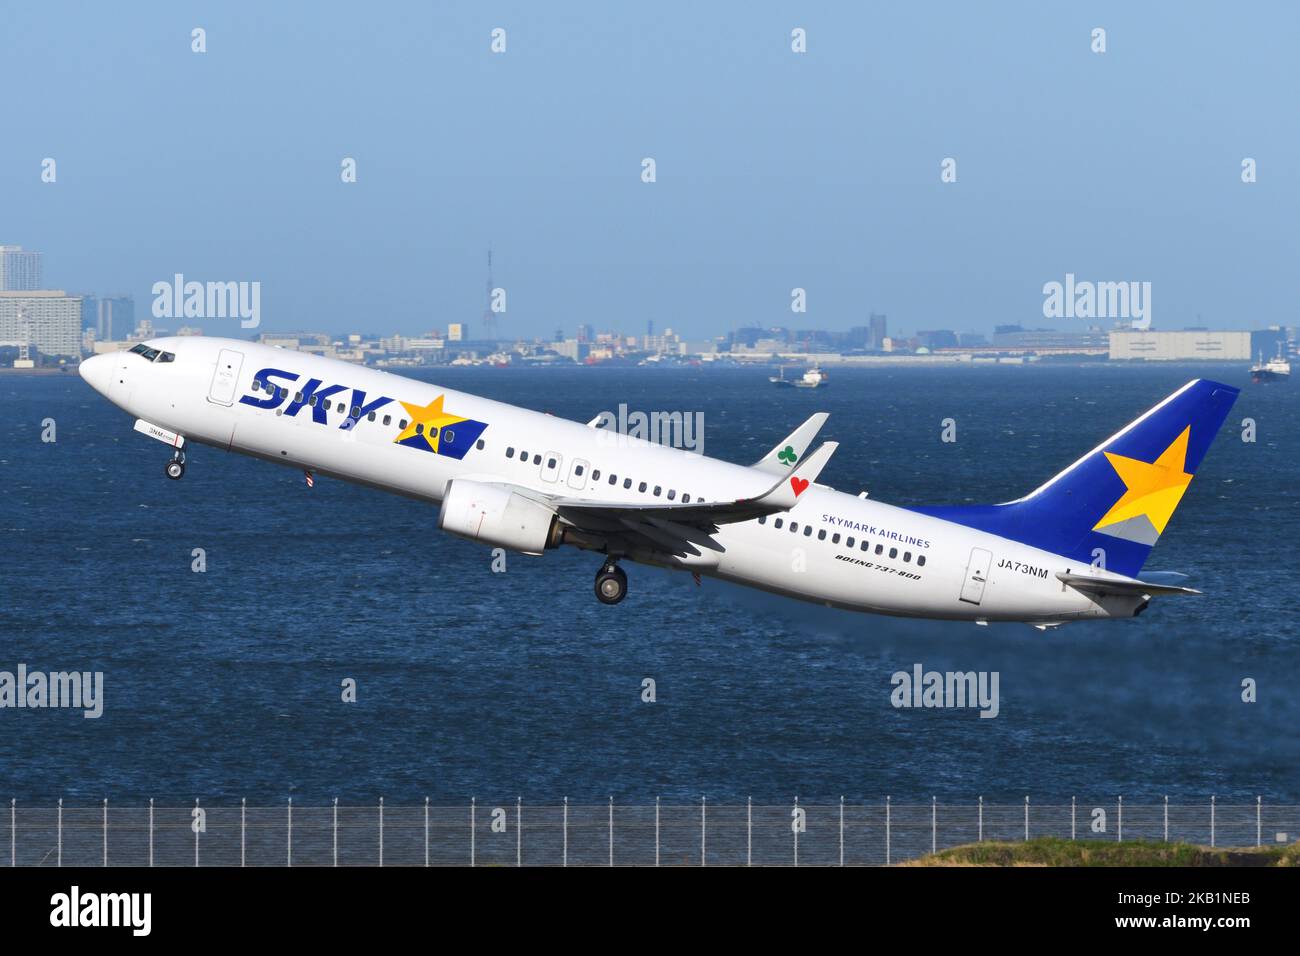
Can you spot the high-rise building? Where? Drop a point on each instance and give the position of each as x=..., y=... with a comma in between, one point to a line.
x=49, y=320
x=19, y=271
x=876, y=323
x=114, y=312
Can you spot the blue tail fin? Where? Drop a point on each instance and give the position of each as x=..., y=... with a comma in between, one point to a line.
x=1111, y=505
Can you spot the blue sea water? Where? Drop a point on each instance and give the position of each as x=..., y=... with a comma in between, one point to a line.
x=226, y=684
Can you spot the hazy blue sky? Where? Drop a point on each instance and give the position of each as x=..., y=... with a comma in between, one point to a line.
x=775, y=170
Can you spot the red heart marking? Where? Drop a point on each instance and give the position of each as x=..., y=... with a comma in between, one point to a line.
x=799, y=485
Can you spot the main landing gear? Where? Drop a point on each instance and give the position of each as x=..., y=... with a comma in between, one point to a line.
x=611, y=583
x=176, y=467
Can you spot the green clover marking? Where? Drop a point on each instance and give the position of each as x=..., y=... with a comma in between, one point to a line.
x=787, y=455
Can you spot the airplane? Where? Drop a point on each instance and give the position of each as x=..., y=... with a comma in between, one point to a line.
x=507, y=477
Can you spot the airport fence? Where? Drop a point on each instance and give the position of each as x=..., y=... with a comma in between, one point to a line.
x=661, y=834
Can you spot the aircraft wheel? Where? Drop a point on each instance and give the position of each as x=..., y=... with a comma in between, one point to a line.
x=611, y=584
x=175, y=469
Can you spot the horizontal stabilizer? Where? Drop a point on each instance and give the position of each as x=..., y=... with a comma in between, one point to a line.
x=1100, y=584
x=781, y=459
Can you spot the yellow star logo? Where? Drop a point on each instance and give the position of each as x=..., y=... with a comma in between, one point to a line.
x=1153, y=488
x=426, y=421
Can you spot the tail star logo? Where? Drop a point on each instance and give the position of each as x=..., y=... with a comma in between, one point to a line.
x=433, y=429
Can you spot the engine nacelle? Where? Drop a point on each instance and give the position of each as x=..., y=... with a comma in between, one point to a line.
x=494, y=515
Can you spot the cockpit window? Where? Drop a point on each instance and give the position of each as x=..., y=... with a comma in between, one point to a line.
x=152, y=355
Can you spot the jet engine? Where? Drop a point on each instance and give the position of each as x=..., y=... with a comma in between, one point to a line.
x=495, y=515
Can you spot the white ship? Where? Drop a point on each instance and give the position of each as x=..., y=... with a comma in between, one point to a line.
x=813, y=378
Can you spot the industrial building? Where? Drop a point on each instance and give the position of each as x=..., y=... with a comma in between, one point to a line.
x=1193, y=345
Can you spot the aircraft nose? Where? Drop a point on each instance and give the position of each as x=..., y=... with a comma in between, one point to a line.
x=98, y=372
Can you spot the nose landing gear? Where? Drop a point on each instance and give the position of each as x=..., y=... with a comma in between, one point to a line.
x=611, y=583
x=176, y=467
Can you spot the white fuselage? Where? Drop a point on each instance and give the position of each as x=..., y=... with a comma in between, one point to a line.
x=914, y=565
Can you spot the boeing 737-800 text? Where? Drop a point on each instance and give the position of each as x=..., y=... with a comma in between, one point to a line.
x=507, y=477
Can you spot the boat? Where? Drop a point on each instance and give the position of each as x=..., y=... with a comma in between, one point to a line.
x=813, y=378
x=1274, y=370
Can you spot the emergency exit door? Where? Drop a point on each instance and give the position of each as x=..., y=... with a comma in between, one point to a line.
x=977, y=575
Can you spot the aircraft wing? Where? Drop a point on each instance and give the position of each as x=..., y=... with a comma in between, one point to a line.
x=790, y=449
x=1099, y=584
x=780, y=497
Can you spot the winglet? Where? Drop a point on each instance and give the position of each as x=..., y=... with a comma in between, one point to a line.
x=781, y=459
x=785, y=493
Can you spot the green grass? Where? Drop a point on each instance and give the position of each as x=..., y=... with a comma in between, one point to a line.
x=1049, y=851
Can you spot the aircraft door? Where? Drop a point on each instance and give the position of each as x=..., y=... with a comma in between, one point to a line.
x=226, y=377
x=977, y=575
x=551, y=462
x=578, y=470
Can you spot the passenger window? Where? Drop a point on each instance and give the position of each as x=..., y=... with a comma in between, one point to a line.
x=920, y=560
x=794, y=526
x=880, y=549
x=907, y=556
x=388, y=419
x=312, y=401
x=577, y=470
x=419, y=428
x=550, y=463
x=402, y=424
x=778, y=522
x=658, y=488
x=866, y=545
x=284, y=393
x=848, y=543
x=448, y=435
x=686, y=499
x=370, y=417
x=613, y=479
x=893, y=552
x=807, y=531
x=479, y=444
x=627, y=482
x=672, y=495
x=762, y=519
x=510, y=453
x=297, y=396
x=537, y=459
x=595, y=474
x=835, y=539
x=642, y=487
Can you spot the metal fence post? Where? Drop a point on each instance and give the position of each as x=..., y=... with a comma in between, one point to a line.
x=1026, y=818
x=13, y=831
x=566, y=836
x=1258, y=831
x=60, y=853
x=473, y=805
x=749, y=831
x=519, y=831
x=196, y=834
x=1072, y=809
x=703, y=829
x=981, y=829
x=288, y=858
x=1211, y=820
x=151, y=832
x=656, y=831
x=841, y=829
x=886, y=831
x=336, y=831
x=1119, y=821
x=381, y=831
x=1166, y=818
x=426, y=831
x=934, y=824
x=106, y=831
x=611, y=829
x=243, y=830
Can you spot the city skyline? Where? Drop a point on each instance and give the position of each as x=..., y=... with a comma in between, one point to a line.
x=775, y=170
